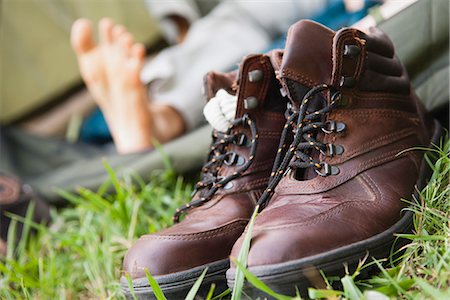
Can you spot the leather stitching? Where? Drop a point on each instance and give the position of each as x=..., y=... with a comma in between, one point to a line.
x=339, y=58
x=268, y=134
x=255, y=183
x=298, y=77
x=388, y=113
x=377, y=161
x=372, y=186
x=379, y=95
x=248, y=64
x=345, y=36
x=320, y=217
x=199, y=235
x=375, y=144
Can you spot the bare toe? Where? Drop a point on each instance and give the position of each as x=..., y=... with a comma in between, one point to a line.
x=118, y=30
x=81, y=36
x=126, y=42
x=105, y=27
x=138, y=52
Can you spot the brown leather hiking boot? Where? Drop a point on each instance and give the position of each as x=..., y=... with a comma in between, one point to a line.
x=233, y=179
x=337, y=193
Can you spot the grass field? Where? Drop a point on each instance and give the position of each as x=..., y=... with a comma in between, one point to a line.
x=80, y=254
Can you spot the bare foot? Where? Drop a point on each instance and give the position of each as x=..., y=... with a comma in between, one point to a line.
x=111, y=71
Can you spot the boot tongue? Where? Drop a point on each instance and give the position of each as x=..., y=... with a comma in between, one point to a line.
x=307, y=62
x=307, y=57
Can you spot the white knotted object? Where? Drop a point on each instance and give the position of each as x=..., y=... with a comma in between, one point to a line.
x=220, y=110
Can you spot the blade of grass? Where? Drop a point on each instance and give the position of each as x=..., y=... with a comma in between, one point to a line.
x=211, y=292
x=432, y=291
x=319, y=294
x=258, y=283
x=155, y=286
x=130, y=286
x=114, y=179
x=351, y=291
x=194, y=289
x=26, y=228
x=242, y=258
x=374, y=295
x=223, y=294
x=11, y=239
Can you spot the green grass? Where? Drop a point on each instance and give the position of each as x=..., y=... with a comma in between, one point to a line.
x=80, y=254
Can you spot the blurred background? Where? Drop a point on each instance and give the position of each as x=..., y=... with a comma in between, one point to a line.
x=38, y=65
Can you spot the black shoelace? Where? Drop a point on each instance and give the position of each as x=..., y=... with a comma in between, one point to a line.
x=303, y=123
x=210, y=182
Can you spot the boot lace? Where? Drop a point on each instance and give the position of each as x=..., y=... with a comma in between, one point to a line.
x=304, y=123
x=218, y=156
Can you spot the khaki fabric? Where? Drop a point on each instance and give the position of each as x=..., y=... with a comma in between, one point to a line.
x=52, y=164
x=420, y=34
x=38, y=63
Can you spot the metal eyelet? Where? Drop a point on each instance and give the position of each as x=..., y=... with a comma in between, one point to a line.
x=333, y=126
x=340, y=99
x=230, y=158
x=327, y=169
x=255, y=75
x=289, y=111
x=351, y=51
x=233, y=158
x=245, y=118
x=228, y=186
x=241, y=140
x=251, y=103
x=336, y=97
x=240, y=161
x=332, y=150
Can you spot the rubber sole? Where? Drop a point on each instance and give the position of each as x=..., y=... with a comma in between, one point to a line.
x=285, y=277
x=177, y=285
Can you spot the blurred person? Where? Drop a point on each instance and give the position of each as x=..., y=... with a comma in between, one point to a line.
x=175, y=17
x=112, y=68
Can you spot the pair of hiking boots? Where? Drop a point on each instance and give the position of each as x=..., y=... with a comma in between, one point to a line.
x=318, y=144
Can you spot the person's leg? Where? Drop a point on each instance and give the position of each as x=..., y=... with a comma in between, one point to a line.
x=111, y=71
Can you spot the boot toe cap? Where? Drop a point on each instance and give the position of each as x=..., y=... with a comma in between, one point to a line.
x=147, y=253
x=164, y=254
